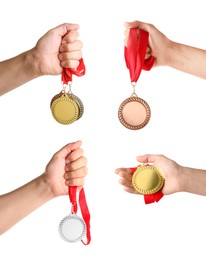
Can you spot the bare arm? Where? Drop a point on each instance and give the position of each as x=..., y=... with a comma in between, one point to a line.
x=58, y=48
x=67, y=167
x=17, y=204
x=169, y=53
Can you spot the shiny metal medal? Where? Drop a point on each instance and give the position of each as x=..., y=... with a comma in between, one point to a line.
x=147, y=179
x=72, y=228
x=134, y=113
x=79, y=103
x=65, y=110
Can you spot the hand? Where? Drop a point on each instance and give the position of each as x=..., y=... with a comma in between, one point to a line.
x=66, y=167
x=171, y=171
x=58, y=48
x=158, y=45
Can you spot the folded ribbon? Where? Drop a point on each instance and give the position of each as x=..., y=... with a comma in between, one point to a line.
x=83, y=206
x=68, y=72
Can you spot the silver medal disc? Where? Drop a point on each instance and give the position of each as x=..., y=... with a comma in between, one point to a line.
x=72, y=228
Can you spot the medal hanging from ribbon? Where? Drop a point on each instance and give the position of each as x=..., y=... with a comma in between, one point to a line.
x=148, y=180
x=73, y=228
x=66, y=107
x=134, y=113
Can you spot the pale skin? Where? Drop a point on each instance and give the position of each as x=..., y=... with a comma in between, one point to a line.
x=187, y=59
x=58, y=48
x=182, y=57
x=67, y=167
x=177, y=178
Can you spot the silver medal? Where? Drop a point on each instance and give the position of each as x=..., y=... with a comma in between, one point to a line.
x=72, y=228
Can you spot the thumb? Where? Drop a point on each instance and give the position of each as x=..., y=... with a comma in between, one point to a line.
x=67, y=149
x=136, y=24
x=147, y=158
x=64, y=28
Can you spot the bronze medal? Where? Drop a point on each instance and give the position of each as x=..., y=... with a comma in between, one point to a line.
x=79, y=103
x=147, y=179
x=64, y=109
x=134, y=113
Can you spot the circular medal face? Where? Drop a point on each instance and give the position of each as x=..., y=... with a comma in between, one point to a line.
x=72, y=228
x=134, y=113
x=147, y=180
x=80, y=104
x=64, y=109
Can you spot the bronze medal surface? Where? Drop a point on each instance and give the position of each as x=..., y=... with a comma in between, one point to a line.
x=134, y=113
x=80, y=104
x=64, y=109
x=147, y=180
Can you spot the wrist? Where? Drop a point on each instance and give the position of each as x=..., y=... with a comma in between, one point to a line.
x=183, y=179
x=32, y=64
x=44, y=187
x=171, y=53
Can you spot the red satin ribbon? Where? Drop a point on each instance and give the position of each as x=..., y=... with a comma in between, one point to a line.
x=67, y=73
x=150, y=198
x=83, y=207
x=135, y=52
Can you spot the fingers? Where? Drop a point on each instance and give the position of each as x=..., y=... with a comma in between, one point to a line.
x=76, y=172
x=130, y=190
x=79, y=163
x=137, y=24
x=125, y=180
x=71, y=36
x=75, y=168
x=71, y=46
x=76, y=177
x=67, y=149
x=70, y=56
x=70, y=50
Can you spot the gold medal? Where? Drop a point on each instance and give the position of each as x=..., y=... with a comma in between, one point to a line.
x=64, y=108
x=134, y=113
x=147, y=179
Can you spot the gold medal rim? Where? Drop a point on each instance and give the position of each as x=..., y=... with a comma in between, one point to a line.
x=60, y=97
x=151, y=191
x=146, y=106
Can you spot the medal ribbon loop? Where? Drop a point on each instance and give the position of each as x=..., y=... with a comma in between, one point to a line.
x=83, y=206
x=135, y=52
x=68, y=72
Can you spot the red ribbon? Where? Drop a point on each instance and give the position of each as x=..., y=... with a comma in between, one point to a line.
x=83, y=207
x=135, y=52
x=67, y=73
x=150, y=198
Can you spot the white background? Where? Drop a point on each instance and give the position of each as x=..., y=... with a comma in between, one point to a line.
x=122, y=226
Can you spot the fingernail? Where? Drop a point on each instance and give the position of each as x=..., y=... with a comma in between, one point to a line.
x=66, y=176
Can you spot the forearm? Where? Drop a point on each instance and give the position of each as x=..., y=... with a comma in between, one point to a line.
x=187, y=59
x=17, y=71
x=194, y=181
x=19, y=203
